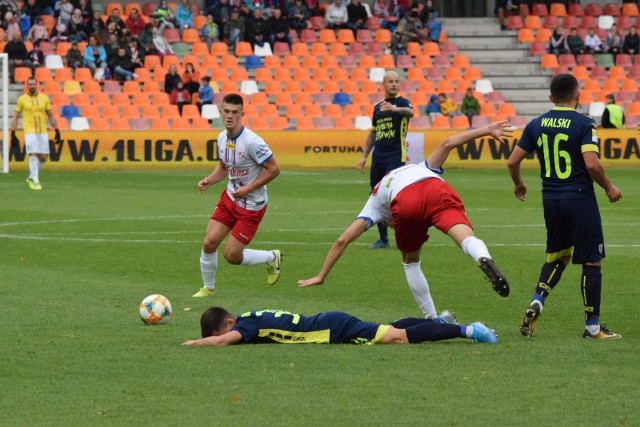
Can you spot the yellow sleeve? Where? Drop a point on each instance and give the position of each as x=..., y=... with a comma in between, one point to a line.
x=19, y=105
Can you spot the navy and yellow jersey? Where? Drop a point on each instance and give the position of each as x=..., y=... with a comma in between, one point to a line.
x=559, y=137
x=275, y=326
x=389, y=132
x=34, y=110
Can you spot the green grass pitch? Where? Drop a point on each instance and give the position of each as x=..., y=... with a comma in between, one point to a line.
x=78, y=257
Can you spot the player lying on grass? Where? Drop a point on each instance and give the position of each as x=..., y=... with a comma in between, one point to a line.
x=413, y=198
x=219, y=327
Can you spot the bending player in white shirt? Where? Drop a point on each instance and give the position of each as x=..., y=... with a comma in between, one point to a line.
x=411, y=199
x=249, y=163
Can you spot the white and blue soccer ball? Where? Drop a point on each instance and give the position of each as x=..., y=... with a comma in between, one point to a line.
x=155, y=310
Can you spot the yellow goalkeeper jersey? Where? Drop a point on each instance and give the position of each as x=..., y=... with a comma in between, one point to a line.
x=34, y=112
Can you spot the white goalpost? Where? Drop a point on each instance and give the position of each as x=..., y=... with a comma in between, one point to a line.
x=4, y=63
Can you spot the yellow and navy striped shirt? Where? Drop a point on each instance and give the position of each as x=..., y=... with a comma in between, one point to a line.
x=34, y=110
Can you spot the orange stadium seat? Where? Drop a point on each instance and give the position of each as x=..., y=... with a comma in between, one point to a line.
x=441, y=122
x=279, y=123
x=525, y=35
x=558, y=9
x=386, y=61
x=630, y=85
x=346, y=36
x=190, y=35
x=507, y=109
x=630, y=9
x=63, y=75
x=337, y=49
x=120, y=99
x=219, y=49
x=130, y=111
x=304, y=123
x=532, y=22
x=299, y=49
x=431, y=49
x=543, y=35
x=459, y=122
x=420, y=123
x=383, y=36
x=99, y=123
x=539, y=9
x=111, y=6
x=549, y=61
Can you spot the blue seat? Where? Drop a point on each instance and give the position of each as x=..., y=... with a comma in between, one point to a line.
x=253, y=62
x=69, y=112
x=341, y=99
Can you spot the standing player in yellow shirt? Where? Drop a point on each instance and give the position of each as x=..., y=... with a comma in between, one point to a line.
x=35, y=108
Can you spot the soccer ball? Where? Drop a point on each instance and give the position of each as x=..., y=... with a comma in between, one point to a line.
x=155, y=310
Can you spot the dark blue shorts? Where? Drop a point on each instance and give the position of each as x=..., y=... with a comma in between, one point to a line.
x=577, y=223
x=380, y=169
x=347, y=329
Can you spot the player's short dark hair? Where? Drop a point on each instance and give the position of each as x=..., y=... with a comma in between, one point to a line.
x=212, y=320
x=233, y=99
x=563, y=88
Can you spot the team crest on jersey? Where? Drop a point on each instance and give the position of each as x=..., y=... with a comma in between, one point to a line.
x=231, y=146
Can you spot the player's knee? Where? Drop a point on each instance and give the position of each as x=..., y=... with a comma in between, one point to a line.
x=233, y=257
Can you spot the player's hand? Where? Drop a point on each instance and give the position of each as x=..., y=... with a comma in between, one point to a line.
x=190, y=342
x=310, y=282
x=386, y=106
x=501, y=129
x=361, y=163
x=57, y=138
x=15, y=142
x=203, y=185
x=241, y=193
x=614, y=194
x=520, y=190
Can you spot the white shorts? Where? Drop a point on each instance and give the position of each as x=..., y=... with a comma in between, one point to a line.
x=36, y=143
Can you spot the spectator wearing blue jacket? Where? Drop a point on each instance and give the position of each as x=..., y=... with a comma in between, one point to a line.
x=205, y=94
x=184, y=16
x=94, y=54
x=433, y=107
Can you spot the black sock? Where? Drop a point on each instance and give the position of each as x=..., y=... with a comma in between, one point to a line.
x=407, y=322
x=550, y=275
x=591, y=284
x=431, y=331
x=384, y=233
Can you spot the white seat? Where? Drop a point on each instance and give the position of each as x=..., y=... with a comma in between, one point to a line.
x=210, y=112
x=53, y=62
x=484, y=86
x=79, y=123
x=596, y=109
x=249, y=87
x=376, y=74
x=605, y=22
x=265, y=50
x=363, y=123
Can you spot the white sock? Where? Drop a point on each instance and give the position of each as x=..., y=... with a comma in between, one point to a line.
x=420, y=289
x=254, y=257
x=33, y=169
x=475, y=248
x=593, y=329
x=540, y=305
x=208, y=267
x=40, y=165
x=468, y=331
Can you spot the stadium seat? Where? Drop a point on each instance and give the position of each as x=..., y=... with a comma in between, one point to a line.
x=431, y=49
x=550, y=22
x=308, y=36
x=630, y=9
x=299, y=49
x=210, y=112
x=190, y=35
x=383, y=36
x=580, y=72
x=532, y=22
x=281, y=49
x=373, y=23
x=362, y=123
x=484, y=86
x=364, y=36
x=514, y=22
x=461, y=61
x=593, y=9
x=543, y=35
x=549, y=61
x=624, y=60
x=596, y=109
x=558, y=9
x=423, y=62
x=420, y=123
x=99, y=123
x=386, y=61
x=341, y=98
x=53, y=62
x=79, y=123
x=323, y=123
x=264, y=50
x=599, y=73
x=568, y=60
x=346, y=36
x=349, y=61
x=253, y=62
x=630, y=85
x=63, y=74
x=322, y=98
x=604, y=60
x=243, y=49
x=576, y=9
x=219, y=49
x=441, y=123
x=111, y=6
x=72, y=87
x=69, y=112
x=611, y=9
x=459, y=122
x=605, y=22
x=480, y=121
x=442, y=61
x=495, y=97
x=633, y=108
x=376, y=74
x=317, y=23
x=375, y=48
x=172, y=35
x=618, y=72
x=472, y=74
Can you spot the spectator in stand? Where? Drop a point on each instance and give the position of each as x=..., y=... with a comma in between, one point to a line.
x=191, y=78
x=146, y=35
x=380, y=9
x=337, y=16
x=558, y=42
x=448, y=106
x=160, y=43
x=64, y=10
x=94, y=55
x=205, y=94
x=234, y=29
x=575, y=43
x=180, y=96
x=122, y=67
x=505, y=8
x=258, y=31
x=184, y=15
x=36, y=56
x=7, y=6
x=97, y=25
x=411, y=28
x=470, y=106
x=115, y=19
x=434, y=27
x=245, y=14
x=171, y=79
x=86, y=9
x=210, y=32
x=298, y=16
x=221, y=13
x=74, y=57
x=136, y=53
x=357, y=16
x=46, y=6
x=111, y=46
x=426, y=11
x=32, y=10
x=398, y=45
x=164, y=17
x=313, y=7
x=631, y=44
x=399, y=8
x=592, y=43
x=39, y=31
x=13, y=25
x=77, y=29
x=18, y=54
x=253, y=4
x=433, y=107
x=59, y=33
x=278, y=27
x=613, y=115
x=614, y=42
x=134, y=23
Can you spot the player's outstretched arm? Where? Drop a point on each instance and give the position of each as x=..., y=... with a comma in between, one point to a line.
x=497, y=130
x=597, y=173
x=354, y=231
x=229, y=338
x=218, y=174
x=516, y=157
